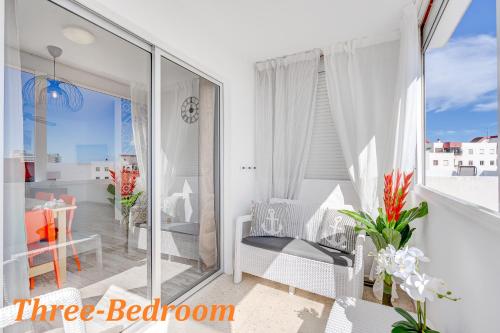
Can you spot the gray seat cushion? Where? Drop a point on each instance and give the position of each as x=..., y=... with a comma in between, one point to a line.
x=182, y=228
x=301, y=248
x=187, y=228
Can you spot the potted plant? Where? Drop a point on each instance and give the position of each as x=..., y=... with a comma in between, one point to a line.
x=126, y=183
x=392, y=226
x=404, y=265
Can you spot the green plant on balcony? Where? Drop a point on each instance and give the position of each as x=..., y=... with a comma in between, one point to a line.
x=392, y=226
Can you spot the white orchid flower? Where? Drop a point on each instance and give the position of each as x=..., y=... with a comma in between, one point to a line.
x=399, y=263
x=422, y=287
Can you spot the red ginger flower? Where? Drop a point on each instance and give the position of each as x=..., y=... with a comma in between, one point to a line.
x=395, y=195
x=128, y=181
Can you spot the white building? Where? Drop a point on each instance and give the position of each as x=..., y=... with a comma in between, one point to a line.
x=452, y=158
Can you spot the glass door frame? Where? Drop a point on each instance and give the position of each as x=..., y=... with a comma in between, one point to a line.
x=158, y=54
x=116, y=25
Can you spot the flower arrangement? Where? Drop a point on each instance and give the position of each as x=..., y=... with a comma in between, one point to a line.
x=126, y=182
x=404, y=265
x=392, y=226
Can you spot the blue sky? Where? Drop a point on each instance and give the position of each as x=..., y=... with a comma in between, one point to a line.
x=461, y=79
x=86, y=135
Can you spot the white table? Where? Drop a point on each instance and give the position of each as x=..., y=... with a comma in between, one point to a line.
x=351, y=315
x=59, y=210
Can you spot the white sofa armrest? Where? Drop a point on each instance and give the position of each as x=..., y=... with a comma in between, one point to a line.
x=359, y=273
x=242, y=226
x=241, y=230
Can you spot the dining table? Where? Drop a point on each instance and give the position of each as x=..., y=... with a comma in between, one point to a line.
x=59, y=210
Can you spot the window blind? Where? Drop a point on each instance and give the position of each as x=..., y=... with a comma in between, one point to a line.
x=326, y=160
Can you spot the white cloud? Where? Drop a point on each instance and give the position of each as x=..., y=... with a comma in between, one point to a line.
x=485, y=107
x=462, y=73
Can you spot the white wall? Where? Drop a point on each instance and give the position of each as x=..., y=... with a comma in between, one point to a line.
x=462, y=241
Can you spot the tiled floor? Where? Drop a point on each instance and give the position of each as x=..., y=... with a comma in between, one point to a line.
x=263, y=306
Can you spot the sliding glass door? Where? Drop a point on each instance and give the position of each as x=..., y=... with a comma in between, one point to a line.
x=188, y=179
x=82, y=207
x=76, y=127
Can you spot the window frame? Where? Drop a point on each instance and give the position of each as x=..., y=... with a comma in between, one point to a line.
x=427, y=30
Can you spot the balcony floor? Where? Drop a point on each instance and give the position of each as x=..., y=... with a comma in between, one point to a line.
x=265, y=306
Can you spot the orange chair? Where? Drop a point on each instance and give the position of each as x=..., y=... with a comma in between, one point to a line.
x=40, y=226
x=45, y=196
x=70, y=214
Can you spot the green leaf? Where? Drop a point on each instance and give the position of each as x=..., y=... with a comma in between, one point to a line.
x=111, y=189
x=378, y=240
x=365, y=220
x=405, y=324
x=407, y=316
x=428, y=330
x=392, y=237
x=400, y=329
x=411, y=215
x=406, y=235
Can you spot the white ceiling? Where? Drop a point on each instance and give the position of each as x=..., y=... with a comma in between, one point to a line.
x=253, y=30
x=260, y=29
x=40, y=23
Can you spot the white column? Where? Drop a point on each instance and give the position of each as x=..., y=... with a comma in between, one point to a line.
x=40, y=141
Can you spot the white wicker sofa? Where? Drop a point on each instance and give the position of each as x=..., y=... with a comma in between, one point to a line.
x=299, y=263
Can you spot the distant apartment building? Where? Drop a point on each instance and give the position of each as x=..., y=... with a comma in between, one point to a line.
x=478, y=157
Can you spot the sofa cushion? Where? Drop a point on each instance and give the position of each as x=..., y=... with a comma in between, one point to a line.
x=301, y=248
x=273, y=219
x=338, y=231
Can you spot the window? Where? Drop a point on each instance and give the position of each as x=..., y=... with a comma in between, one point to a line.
x=461, y=75
x=97, y=169
x=106, y=169
x=445, y=162
x=435, y=162
x=439, y=150
x=460, y=163
x=326, y=160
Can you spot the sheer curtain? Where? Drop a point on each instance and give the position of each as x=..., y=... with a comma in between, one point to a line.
x=208, y=227
x=361, y=80
x=375, y=91
x=179, y=153
x=285, y=96
x=139, y=110
x=408, y=99
x=15, y=264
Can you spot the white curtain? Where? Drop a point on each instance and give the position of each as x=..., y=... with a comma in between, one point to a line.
x=179, y=141
x=285, y=97
x=408, y=99
x=361, y=80
x=15, y=264
x=139, y=110
x=208, y=227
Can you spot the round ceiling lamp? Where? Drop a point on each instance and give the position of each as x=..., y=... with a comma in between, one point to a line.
x=78, y=35
x=53, y=91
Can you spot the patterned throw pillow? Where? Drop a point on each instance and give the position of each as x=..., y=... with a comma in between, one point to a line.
x=337, y=231
x=272, y=219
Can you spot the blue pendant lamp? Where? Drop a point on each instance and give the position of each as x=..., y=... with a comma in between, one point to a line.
x=55, y=92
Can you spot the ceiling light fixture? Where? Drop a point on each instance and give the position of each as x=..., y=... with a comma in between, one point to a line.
x=51, y=90
x=78, y=35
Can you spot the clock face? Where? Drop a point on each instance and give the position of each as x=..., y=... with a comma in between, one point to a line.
x=190, y=110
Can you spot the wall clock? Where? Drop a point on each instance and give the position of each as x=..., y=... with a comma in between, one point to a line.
x=190, y=110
